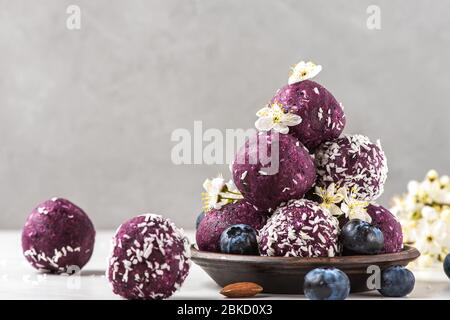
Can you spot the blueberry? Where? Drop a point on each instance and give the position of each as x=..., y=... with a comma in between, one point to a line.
x=396, y=281
x=326, y=284
x=199, y=219
x=360, y=237
x=239, y=239
x=447, y=265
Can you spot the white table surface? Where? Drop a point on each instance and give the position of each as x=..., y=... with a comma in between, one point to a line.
x=18, y=280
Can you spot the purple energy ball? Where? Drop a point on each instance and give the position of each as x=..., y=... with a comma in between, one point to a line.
x=353, y=161
x=58, y=237
x=323, y=118
x=300, y=228
x=217, y=220
x=383, y=219
x=284, y=175
x=150, y=258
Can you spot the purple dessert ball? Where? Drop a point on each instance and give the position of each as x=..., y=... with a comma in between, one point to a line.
x=355, y=163
x=284, y=175
x=383, y=219
x=217, y=220
x=300, y=228
x=150, y=258
x=323, y=118
x=58, y=237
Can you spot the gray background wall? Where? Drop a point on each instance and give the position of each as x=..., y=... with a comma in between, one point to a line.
x=88, y=114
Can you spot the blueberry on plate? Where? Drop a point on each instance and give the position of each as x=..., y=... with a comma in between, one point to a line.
x=239, y=239
x=396, y=281
x=360, y=237
x=326, y=284
x=199, y=219
x=447, y=265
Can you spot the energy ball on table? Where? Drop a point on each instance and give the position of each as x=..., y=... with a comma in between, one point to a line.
x=217, y=220
x=58, y=237
x=150, y=258
x=300, y=228
x=272, y=168
x=353, y=162
x=323, y=118
x=383, y=219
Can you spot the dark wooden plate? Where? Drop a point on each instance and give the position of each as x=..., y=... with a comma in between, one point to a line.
x=285, y=274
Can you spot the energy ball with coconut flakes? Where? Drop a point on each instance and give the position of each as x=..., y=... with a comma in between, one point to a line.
x=58, y=237
x=355, y=163
x=150, y=258
x=287, y=173
x=300, y=228
x=323, y=118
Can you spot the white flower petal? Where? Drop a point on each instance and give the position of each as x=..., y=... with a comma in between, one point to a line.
x=264, y=124
x=264, y=112
x=281, y=128
x=292, y=119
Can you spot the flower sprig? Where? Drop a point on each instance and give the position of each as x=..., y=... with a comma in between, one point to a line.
x=424, y=212
x=341, y=201
x=218, y=193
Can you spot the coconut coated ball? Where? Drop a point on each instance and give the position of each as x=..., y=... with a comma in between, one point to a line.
x=383, y=219
x=323, y=118
x=272, y=168
x=58, y=237
x=300, y=228
x=353, y=161
x=217, y=220
x=150, y=258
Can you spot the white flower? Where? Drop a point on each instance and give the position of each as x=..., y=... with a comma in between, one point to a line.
x=330, y=198
x=274, y=117
x=445, y=182
x=429, y=213
x=354, y=208
x=413, y=187
x=303, y=71
x=430, y=237
x=219, y=193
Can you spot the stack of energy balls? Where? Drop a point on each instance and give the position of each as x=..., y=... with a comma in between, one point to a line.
x=299, y=188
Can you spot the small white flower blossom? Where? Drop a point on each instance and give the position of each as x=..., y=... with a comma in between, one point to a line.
x=303, y=71
x=219, y=193
x=430, y=237
x=331, y=197
x=354, y=208
x=274, y=117
x=429, y=213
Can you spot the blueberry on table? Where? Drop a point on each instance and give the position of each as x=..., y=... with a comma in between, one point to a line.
x=360, y=237
x=199, y=219
x=239, y=239
x=326, y=284
x=396, y=281
x=447, y=265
